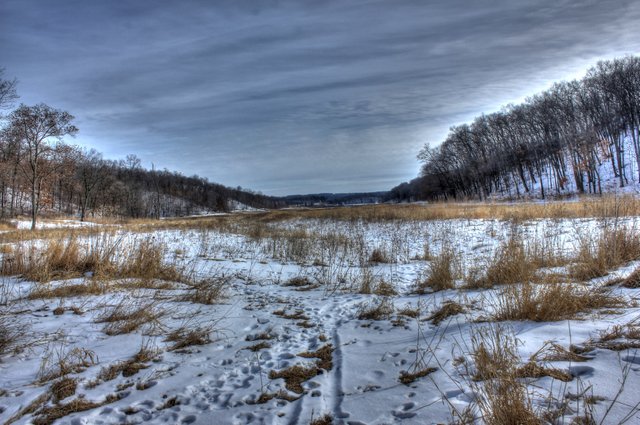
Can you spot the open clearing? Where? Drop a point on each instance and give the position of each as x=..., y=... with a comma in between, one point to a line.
x=347, y=316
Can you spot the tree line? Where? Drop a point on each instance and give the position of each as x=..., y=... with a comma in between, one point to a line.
x=38, y=170
x=565, y=136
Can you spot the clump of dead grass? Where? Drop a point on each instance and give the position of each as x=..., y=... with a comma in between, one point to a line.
x=100, y=256
x=322, y=420
x=532, y=369
x=380, y=309
x=324, y=354
x=129, y=315
x=447, y=309
x=47, y=415
x=633, y=280
x=12, y=332
x=259, y=346
x=130, y=366
x=510, y=264
x=503, y=398
x=63, y=388
x=184, y=337
x=207, y=291
x=407, y=377
x=378, y=255
x=384, y=289
x=61, y=361
x=441, y=275
x=612, y=247
x=294, y=376
x=296, y=315
x=552, y=352
x=550, y=302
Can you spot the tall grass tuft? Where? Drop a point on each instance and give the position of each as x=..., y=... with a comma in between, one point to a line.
x=550, y=302
x=612, y=247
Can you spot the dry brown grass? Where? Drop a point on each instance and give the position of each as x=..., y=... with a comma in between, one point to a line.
x=12, y=332
x=207, y=291
x=129, y=315
x=378, y=255
x=616, y=338
x=298, y=281
x=322, y=420
x=447, y=309
x=494, y=352
x=504, y=399
x=604, y=206
x=259, y=346
x=380, y=309
x=407, y=377
x=324, y=354
x=61, y=361
x=633, y=280
x=128, y=367
x=534, y=370
x=294, y=376
x=384, y=289
x=296, y=315
x=100, y=256
x=63, y=388
x=442, y=273
x=49, y=414
x=613, y=247
x=552, y=352
x=550, y=302
x=510, y=264
x=66, y=290
x=184, y=337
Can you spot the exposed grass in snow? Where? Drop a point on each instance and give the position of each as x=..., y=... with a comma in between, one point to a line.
x=550, y=302
x=280, y=317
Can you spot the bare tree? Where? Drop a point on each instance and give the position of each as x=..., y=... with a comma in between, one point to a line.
x=8, y=92
x=36, y=127
x=91, y=172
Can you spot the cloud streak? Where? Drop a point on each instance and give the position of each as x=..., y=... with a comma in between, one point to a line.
x=295, y=96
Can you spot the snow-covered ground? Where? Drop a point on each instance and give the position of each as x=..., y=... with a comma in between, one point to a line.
x=222, y=381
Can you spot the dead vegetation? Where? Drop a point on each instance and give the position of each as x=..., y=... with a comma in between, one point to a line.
x=101, y=257
x=510, y=264
x=12, y=333
x=322, y=420
x=324, y=354
x=294, y=376
x=504, y=398
x=128, y=367
x=207, y=291
x=612, y=247
x=184, y=337
x=47, y=415
x=62, y=361
x=380, y=309
x=550, y=302
x=297, y=315
x=446, y=310
x=63, y=388
x=129, y=315
x=442, y=273
x=407, y=377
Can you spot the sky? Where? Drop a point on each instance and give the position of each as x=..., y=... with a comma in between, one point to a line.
x=290, y=97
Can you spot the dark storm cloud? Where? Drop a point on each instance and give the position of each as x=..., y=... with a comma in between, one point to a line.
x=295, y=96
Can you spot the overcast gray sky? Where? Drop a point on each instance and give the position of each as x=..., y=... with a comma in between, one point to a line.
x=296, y=96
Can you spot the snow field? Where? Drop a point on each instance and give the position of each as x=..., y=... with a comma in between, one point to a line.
x=224, y=381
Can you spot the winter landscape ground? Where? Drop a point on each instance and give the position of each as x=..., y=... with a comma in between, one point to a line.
x=411, y=314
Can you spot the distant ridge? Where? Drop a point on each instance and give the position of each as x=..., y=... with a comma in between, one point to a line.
x=323, y=199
